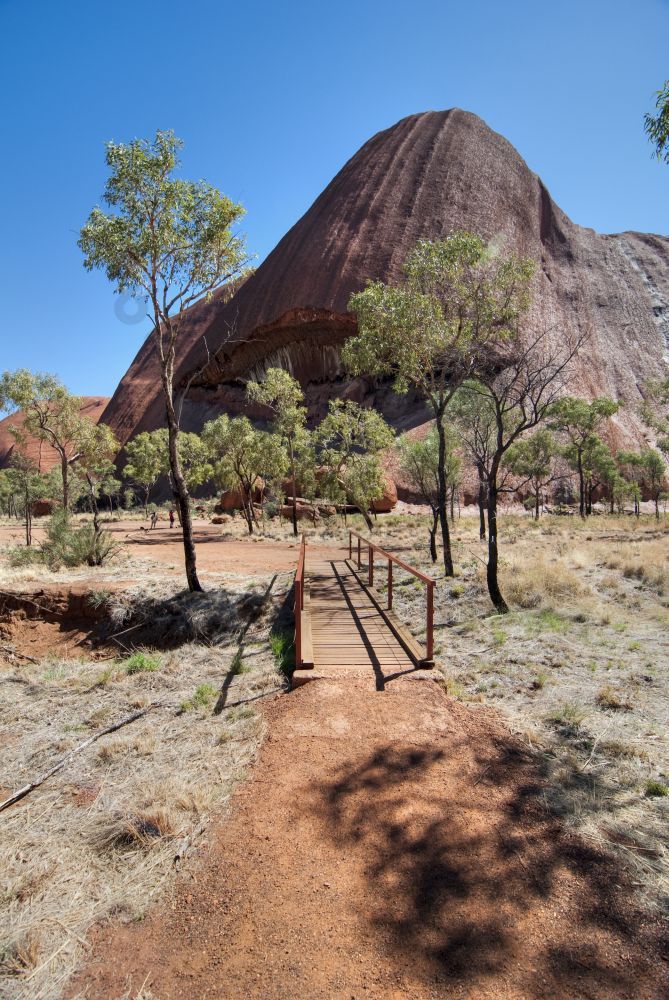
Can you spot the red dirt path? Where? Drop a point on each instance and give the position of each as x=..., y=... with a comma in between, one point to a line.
x=389, y=845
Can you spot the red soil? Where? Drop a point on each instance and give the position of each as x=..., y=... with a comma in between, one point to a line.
x=388, y=845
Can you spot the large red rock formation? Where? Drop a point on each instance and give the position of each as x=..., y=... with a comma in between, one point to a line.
x=42, y=454
x=424, y=177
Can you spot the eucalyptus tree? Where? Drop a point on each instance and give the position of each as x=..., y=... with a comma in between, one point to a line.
x=283, y=395
x=458, y=299
x=579, y=421
x=533, y=459
x=170, y=241
x=241, y=456
x=98, y=448
x=475, y=419
x=419, y=463
x=350, y=440
x=654, y=475
x=147, y=460
x=50, y=413
x=516, y=393
x=27, y=485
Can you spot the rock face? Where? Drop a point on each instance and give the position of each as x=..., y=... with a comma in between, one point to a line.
x=429, y=174
x=43, y=454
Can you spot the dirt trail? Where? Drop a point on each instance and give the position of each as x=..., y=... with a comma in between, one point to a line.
x=388, y=845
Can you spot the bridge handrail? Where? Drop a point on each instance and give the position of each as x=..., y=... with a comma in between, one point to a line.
x=429, y=582
x=299, y=600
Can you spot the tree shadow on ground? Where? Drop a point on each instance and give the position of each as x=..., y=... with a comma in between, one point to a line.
x=474, y=881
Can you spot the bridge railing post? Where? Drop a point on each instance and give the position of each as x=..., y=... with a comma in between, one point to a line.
x=370, y=550
x=350, y=545
x=359, y=563
x=390, y=585
x=429, y=639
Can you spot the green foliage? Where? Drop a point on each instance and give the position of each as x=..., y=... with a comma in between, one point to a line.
x=579, y=419
x=533, y=458
x=655, y=410
x=350, y=439
x=202, y=698
x=283, y=647
x=657, y=126
x=147, y=459
x=66, y=545
x=237, y=665
x=458, y=297
x=241, y=456
x=656, y=789
x=141, y=662
x=283, y=395
x=419, y=463
x=162, y=229
x=461, y=302
x=50, y=414
x=173, y=241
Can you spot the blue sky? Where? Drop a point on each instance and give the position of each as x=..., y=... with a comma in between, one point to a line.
x=271, y=99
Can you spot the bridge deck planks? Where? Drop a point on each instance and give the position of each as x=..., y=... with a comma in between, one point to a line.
x=348, y=631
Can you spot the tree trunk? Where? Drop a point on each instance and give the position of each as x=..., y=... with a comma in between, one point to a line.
x=445, y=536
x=452, y=503
x=248, y=508
x=147, y=490
x=292, y=473
x=367, y=519
x=657, y=507
x=581, y=487
x=493, y=554
x=65, y=471
x=179, y=483
x=536, y=504
x=29, y=520
x=433, y=535
x=479, y=469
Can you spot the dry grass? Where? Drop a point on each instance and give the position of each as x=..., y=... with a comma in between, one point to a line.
x=580, y=667
x=98, y=840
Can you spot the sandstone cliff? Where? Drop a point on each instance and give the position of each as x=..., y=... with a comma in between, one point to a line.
x=429, y=174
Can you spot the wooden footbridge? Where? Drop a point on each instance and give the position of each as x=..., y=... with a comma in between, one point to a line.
x=343, y=624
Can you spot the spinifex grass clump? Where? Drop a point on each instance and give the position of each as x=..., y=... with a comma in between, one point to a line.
x=67, y=546
x=141, y=662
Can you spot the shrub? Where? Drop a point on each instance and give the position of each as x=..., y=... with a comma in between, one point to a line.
x=67, y=545
x=141, y=662
x=656, y=789
x=283, y=648
x=237, y=666
x=203, y=697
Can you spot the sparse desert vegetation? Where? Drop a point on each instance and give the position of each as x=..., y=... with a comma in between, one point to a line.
x=103, y=838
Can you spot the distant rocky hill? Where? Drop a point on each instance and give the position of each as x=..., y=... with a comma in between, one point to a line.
x=43, y=454
x=429, y=174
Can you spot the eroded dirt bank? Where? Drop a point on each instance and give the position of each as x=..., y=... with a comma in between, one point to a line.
x=388, y=845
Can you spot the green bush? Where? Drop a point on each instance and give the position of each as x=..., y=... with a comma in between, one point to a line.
x=283, y=648
x=67, y=545
x=656, y=789
x=203, y=697
x=141, y=662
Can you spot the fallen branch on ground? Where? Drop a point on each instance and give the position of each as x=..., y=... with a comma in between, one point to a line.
x=22, y=792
